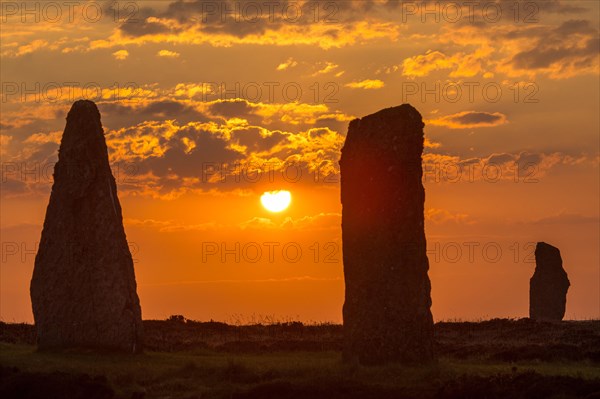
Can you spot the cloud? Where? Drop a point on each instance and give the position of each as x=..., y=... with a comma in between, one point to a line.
x=43, y=138
x=565, y=218
x=20, y=38
x=31, y=47
x=186, y=102
x=423, y=65
x=565, y=51
x=4, y=143
x=173, y=158
x=460, y=64
x=557, y=51
x=168, y=54
x=470, y=120
x=191, y=90
x=289, y=63
x=321, y=221
x=329, y=67
x=216, y=23
x=191, y=22
x=258, y=223
x=431, y=144
x=145, y=140
x=228, y=23
x=367, y=84
x=54, y=96
x=323, y=36
x=121, y=54
x=227, y=154
x=442, y=216
x=170, y=226
x=560, y=7
x=523, y=166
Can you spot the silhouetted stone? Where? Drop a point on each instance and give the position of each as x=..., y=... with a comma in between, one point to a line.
x=549, y=285
x=387, y=314
x=83, y=289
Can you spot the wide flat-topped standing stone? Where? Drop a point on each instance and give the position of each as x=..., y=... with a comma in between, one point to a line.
x=549, y=285
x=387, y=314
x=83, y=289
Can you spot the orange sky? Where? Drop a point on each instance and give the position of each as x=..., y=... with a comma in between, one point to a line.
x=206, y=106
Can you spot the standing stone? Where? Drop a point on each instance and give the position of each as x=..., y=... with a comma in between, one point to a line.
x=83, y=289
x=549, y=285
x=387, y=314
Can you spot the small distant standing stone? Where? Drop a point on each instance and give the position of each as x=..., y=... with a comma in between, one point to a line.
x=549, y=285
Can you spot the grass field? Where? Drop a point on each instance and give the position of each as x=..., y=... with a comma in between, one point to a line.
x=475, y=362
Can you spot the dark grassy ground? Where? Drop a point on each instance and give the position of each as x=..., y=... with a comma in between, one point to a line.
x=185, y=359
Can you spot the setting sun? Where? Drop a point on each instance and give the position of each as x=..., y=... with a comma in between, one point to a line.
x=276, y=201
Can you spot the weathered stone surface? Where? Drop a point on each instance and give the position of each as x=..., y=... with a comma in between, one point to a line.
x=549, y=284
x=83, y=289
x=387, y=314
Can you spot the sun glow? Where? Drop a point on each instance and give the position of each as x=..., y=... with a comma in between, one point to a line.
x=276, y=201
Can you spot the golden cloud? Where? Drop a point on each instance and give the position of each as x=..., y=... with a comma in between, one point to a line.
x=168, y=54
x=470, y=120
x=289, y=63
x=461, y=64
x=557, y=51
x=329, y=67
x=319, y=222
x=121, y=54
x=4, y=142
x=442, y=216
x=367, y=84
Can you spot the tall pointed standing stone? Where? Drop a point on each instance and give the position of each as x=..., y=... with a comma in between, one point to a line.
x=83, y=289
x=549, y=285
x=387, y=314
